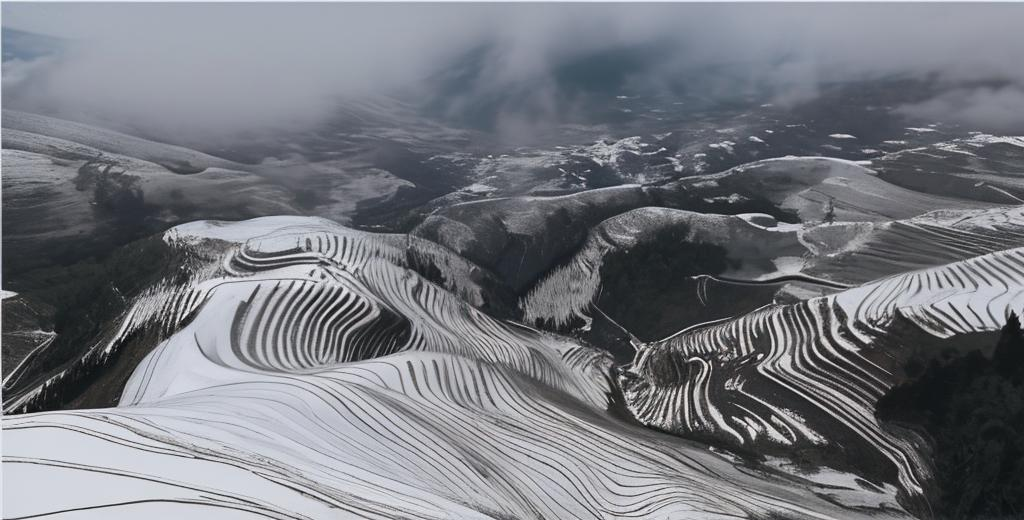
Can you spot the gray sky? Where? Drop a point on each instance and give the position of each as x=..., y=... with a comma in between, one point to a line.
x=224, y=68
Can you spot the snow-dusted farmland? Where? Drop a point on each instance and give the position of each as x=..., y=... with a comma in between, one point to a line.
x=308, y=373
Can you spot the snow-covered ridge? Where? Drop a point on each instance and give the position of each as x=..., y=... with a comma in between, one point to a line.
x=110, y=141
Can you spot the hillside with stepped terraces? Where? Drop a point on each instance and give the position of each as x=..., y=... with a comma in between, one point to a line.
x=306, y=359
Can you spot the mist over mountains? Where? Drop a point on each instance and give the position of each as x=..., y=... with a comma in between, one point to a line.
x=514, y=69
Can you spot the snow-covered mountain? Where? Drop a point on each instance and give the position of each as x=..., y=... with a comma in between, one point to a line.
x=304, y=370
x=692, y=314
x=294, y=367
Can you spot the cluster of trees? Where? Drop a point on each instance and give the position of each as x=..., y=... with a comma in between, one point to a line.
x=649, y=288
x=971, y=408
x=88, y=297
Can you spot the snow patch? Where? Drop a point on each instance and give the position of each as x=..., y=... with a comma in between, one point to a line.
x=480, y=188
x=985, y=139
x=608, y=153
x=735, y=198
x=724, y=145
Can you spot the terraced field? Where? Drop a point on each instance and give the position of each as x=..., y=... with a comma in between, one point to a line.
x=309, y=373
x=489, y=364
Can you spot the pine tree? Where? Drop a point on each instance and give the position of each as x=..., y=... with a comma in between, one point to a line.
x=830, y=210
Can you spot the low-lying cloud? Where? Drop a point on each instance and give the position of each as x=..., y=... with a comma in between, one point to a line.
x=992, y=109
x=221, y=70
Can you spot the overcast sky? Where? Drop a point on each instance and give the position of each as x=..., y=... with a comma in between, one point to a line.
x=223, y=68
